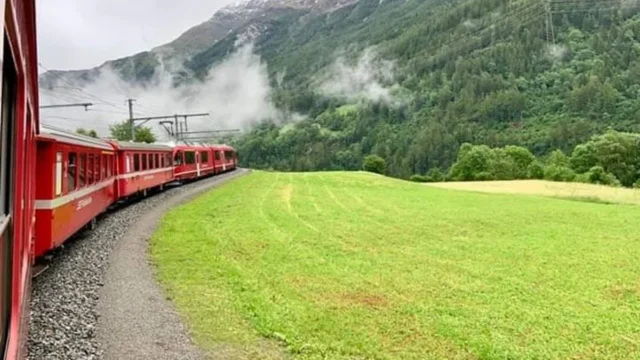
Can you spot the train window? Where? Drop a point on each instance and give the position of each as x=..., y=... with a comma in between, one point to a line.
x=178, y=158
x=82, y=161
x=144, y=161
x=136, y=162
x=127, y=163
x=72, y=171
x=90, y=170
x=96, y=169
x=189, y=157
x=103, y=168
x=161, y=161
x=167, y=160
x=158, y=161
x=217, y=154
x=58, y=173
x=204, y=157
x=109, y=158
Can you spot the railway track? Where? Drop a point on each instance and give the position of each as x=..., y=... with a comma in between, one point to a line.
x=65, y=295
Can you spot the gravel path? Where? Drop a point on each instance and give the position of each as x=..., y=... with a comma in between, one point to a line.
x=69, y=302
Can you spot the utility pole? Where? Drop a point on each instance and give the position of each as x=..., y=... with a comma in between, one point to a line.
x=131, y=127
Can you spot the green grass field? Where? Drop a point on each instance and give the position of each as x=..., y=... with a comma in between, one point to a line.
x=358, y=266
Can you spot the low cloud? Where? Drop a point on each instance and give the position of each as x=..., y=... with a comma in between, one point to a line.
x=235, y=92
x=369, y=78
x=556, y=52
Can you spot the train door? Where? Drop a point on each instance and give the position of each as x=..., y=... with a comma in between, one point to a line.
x=7, y=221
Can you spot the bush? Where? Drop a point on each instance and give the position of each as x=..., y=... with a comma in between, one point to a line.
x=535, y=170
x=558, y=173
x=420, y=178
x=472, y=160
x=374, y=164
x=597, y=175
x=484, y=176
x=522, y=159
x=435, y=175
x=558, y=158
x=502, y=166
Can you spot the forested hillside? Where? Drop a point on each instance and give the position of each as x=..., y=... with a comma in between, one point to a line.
x=408, y=80
x=481, y=71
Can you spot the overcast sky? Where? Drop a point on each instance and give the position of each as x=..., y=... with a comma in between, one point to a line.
x=79, y=34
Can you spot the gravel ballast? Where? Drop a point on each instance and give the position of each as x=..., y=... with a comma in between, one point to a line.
x=65, y=300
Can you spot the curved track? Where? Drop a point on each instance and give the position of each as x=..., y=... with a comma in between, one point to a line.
x=84, y=305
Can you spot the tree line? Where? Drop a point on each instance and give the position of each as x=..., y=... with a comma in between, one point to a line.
x=612, y=158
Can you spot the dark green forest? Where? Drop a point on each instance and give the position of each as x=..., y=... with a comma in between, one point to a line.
x=490, y=72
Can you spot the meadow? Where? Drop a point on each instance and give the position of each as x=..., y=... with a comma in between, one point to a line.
x=358, y=266
x=563, y=190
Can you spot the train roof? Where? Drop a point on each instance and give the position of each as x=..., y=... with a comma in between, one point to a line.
x=129, y=145
x=51, y=133
x=224, y=147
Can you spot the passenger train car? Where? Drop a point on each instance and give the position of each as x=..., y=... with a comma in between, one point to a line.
x=18, y=130
x=188, y=160
x=142, y=167
x=76, y=182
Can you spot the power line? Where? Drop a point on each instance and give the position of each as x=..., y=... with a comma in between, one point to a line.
x=109, y=111
x=149, y=108
x=73, y=87
x=85, y=105
x=177, y=124
x=75, y=121
x=64, y=97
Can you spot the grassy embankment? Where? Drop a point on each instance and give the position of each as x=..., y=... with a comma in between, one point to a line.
x=352, y=265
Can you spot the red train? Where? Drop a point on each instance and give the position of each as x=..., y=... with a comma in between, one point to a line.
x=80, y=177
x=193, y=161
x=54, y=183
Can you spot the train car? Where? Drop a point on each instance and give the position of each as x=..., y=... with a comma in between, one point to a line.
x=18, y=130
x=142, y=167
x=225, y=158
x=75, y=184
x=206, y=159
x=187, y=163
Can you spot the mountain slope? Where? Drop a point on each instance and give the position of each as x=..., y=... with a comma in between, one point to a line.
x=443, y=72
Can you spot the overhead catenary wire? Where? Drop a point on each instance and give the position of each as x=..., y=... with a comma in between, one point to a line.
x=73, y=87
